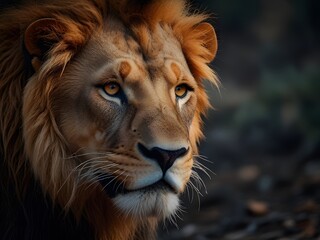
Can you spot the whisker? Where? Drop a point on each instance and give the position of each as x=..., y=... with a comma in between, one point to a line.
x=87, y=154
x=196, y=177
x=203, y=168
x=198, y=193
x=204, y=158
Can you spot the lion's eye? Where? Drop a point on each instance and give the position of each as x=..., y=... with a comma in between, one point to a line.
x=111, y=88
x=181, y=90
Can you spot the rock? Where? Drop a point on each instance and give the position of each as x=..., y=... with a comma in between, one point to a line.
x=257, y=208
x=309, y=206
x=248, y=173
x=265, y=183
x=289, y=223
x=309, y=228
x=188, y=230
x=236, y=235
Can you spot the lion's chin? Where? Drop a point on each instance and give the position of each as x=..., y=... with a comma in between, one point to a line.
x=138, y=204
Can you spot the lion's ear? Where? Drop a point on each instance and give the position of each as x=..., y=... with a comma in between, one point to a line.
x=209, y=38
x=40, y=36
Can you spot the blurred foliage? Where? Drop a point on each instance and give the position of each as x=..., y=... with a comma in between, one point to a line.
x=269, y=56
x=284, y=110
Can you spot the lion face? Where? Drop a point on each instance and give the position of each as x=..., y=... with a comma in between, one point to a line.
x=126, y=115
x=115, y=109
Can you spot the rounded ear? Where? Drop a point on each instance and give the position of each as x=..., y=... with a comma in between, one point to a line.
x=209, y=40
x=41, y=35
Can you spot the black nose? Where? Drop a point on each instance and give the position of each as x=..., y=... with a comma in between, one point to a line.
x=165, y=158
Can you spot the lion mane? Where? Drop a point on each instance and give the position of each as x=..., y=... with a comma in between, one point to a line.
x=41, y=199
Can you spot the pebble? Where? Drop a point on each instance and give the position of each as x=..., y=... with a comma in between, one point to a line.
x=248, y=173
x=309, y=206
x=188, y=230
x=257, y=208
x=236, y=235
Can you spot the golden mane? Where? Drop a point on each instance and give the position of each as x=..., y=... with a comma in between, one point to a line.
x=78, y=19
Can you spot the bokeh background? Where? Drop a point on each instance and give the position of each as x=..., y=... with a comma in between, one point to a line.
x=263, y=138
x=262, y=146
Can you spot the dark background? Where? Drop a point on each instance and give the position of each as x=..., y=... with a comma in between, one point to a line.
x=263, y=138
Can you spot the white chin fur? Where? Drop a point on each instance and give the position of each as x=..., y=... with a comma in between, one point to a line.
x=141, y=204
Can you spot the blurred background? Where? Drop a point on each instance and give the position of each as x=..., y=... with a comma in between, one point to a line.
x=263, y=138
x=262, y=146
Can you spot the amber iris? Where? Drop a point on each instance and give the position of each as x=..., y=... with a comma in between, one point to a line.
x=181, y=90
x=111, y=88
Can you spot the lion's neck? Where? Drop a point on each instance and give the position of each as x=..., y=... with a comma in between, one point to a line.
x=109, y=223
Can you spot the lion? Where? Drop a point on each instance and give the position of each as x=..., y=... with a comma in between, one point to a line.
x=101, y=107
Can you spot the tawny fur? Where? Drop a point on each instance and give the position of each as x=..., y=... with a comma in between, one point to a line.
x=80, y=19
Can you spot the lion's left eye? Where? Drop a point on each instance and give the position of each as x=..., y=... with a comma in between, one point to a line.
x=182, y=90
x=111, y=88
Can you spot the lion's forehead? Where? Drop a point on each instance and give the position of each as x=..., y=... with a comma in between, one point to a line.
x=158, y=57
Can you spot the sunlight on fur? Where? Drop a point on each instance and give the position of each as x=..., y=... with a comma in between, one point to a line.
x=110, y=97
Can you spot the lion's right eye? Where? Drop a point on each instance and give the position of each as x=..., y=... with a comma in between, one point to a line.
x=111, y=88
x=182, y=90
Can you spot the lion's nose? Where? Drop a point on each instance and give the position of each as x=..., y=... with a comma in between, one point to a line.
x=165, y=158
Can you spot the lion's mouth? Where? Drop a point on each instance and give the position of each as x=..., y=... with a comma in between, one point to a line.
x=115, y=187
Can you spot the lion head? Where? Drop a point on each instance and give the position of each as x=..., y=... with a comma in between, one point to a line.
x=111, y=107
